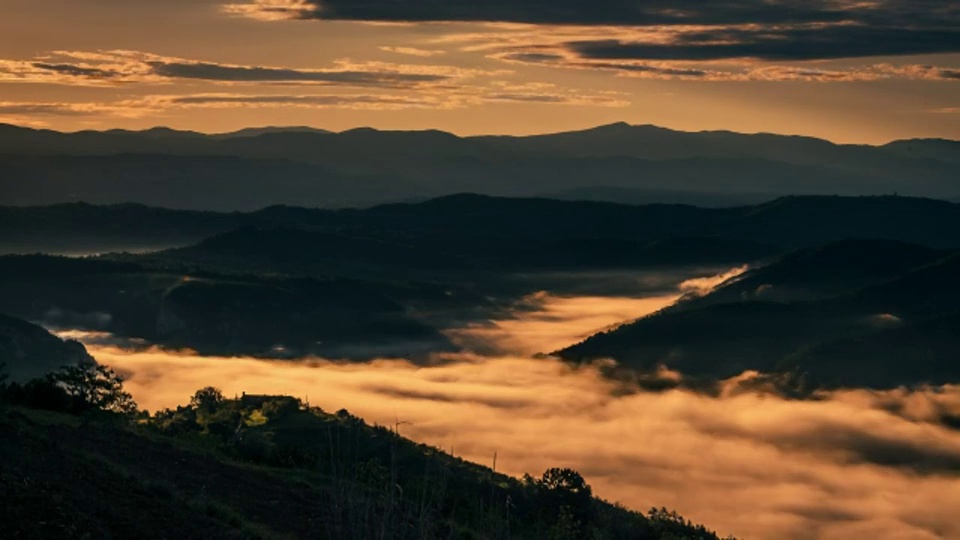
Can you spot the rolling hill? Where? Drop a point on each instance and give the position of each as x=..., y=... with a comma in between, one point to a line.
x=855, y=314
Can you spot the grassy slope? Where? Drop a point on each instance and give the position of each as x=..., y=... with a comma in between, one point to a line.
x=93, y=478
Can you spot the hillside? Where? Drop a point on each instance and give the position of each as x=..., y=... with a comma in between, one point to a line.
x=269, y=315
x=271, y=467
x=854, y=314
x=28, y=351
x=478, y=222
x=392, y=278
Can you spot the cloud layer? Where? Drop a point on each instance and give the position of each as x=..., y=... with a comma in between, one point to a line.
x=781, y=29
x=847, y=464
x=852, y=464
x=687, y=40
x=120, y=67
x=677, y=53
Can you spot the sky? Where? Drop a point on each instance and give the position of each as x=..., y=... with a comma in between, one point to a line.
x=866, y=71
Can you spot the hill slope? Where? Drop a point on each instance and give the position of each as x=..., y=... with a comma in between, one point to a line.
x=855, y=314
x=28, y=351
x=266, y=467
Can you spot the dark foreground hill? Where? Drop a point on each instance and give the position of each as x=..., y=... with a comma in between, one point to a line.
x=853, y=314
x=63, y=478
x=265, y=467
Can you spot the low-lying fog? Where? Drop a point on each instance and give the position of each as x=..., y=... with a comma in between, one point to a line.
x=851, y=464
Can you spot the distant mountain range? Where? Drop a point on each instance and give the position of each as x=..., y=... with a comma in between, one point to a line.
x=258, y=167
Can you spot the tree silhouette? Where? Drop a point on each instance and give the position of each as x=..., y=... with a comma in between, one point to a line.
x=94, y=386
x=568, y=501
x=207, y=399
x=565, y=480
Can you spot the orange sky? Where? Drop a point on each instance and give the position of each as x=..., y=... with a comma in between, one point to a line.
x=207, y=66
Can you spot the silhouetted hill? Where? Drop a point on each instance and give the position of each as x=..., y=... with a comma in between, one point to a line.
x=393, y=277
x=78, y=228
x=28, y=351
x=924, y=292
x=222, y=183
x=938, y=149
x=362, y=167
x=640, y=196
x=464, y=218
x=817, y=220
x=909, y=354
x=228, y=315
x=256, y=132
x=824, y=271
x=852, y=314
x=317, y=252
x=270, y=467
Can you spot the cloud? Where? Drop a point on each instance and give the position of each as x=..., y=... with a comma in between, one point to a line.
x=110, y=68
x=413, y=51
x=348, y=101
x=606, y=12
x=17, y=108
x=616, y=49
x=702, y=285
x=26, y=112
x=846, y=465
x=778, y=44
x=272, y=10
x=558, y=55
x=217, y=72
x=545, y=322
x=784, y=29
x=157, y=104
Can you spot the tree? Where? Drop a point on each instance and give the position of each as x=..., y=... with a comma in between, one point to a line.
x=207, y=399
x=4, y=390
x=565, y=480
x=568, y=501
x=94, y=386
x=179, y=421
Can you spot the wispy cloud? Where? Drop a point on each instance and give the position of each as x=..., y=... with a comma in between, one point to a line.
x=122, y=108
x=414, y=51
x=110, y=68
x=272, y=10
x=457, y=97
x=529, y=50
x=349, y=101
